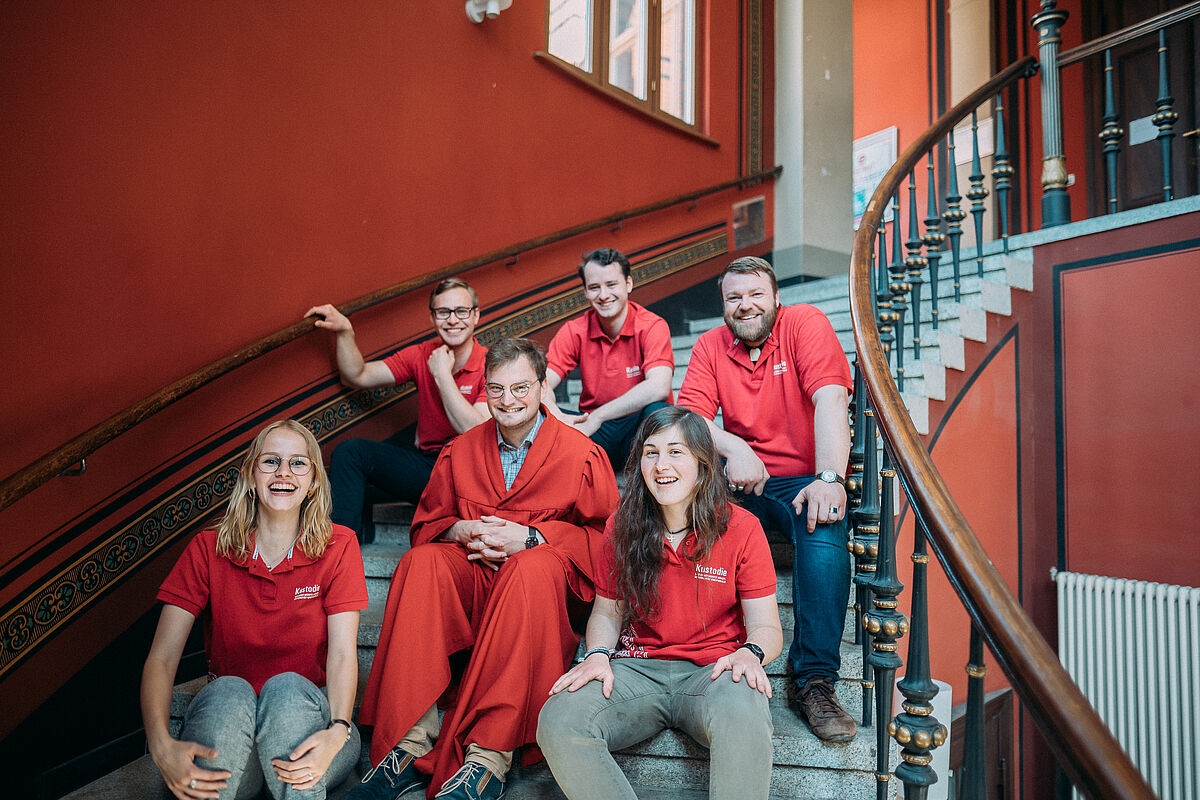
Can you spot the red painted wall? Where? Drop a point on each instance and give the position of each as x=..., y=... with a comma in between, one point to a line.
x=983, y=428
x=184, y=179
x=193, y=177
x=891, y=62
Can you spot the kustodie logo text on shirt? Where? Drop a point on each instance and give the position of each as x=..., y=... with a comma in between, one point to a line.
x=714, y=574
x=308, y=592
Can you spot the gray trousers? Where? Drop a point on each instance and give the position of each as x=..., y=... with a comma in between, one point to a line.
x=248, y=731
x=577, y=730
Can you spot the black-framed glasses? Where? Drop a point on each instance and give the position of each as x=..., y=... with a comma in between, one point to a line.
x=518, y=390
x=269, y=463
x=462, y=312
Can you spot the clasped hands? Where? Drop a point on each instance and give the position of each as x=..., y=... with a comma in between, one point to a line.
x=489, y=540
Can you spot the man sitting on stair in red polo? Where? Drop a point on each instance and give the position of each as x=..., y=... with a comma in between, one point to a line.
x=500, y=567
x=624, y=356
x=780, y=379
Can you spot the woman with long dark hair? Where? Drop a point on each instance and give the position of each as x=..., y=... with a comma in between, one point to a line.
x=684, y=620
x=280, y=588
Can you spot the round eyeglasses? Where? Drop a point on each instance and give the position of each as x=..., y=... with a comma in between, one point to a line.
x=462, y=312
x=518, y=390
x=269, y=463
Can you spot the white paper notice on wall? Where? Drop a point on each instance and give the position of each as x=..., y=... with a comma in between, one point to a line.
x=963, y=146
x=1142, y=131
x=873, y=155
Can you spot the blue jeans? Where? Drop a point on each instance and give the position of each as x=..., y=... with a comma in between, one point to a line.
x=248, y=731
x=820, y=577
x=616, y=436
x=400, y=473
x=577, y=730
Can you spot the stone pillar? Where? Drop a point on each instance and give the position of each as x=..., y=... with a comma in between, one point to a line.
x=814, y=108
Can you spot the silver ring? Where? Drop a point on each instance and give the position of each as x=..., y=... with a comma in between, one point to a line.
x=833, y=509
x=192, y=783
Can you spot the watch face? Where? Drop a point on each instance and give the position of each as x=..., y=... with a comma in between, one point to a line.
x=829, y=476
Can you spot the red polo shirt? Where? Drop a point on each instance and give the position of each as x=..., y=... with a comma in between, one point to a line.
x=609, y=367
x=412, y=364
x=261, y=623
x=700, y=617
x=769, y=404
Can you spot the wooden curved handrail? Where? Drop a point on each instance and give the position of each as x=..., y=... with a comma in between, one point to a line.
x=1080, y=741
x=36, y=473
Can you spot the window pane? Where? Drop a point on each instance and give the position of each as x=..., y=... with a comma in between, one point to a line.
x=571, y=32
x=677, y=68
x=627, y=46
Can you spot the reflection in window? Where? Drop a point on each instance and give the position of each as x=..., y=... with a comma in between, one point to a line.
x=627, y=46
x=571, y=32
x=677, y=59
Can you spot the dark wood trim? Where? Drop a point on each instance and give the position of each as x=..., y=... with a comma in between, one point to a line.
x=51, y=464
x=623, y=98
x=1117, y=38
x=1073, y=731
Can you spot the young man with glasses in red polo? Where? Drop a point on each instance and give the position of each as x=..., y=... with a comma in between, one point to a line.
x=448, y=374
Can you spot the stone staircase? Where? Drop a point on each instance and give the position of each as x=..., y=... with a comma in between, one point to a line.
x=670, y=764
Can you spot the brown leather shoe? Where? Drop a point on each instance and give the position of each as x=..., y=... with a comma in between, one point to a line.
x=817, y=703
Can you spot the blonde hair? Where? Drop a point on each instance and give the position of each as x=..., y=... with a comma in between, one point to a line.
x=234, y=532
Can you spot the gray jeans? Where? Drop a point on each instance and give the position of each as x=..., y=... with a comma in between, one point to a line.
x=577, y=730
x=248, y=731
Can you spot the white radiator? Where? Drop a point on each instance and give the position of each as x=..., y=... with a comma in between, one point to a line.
x=1133, y=647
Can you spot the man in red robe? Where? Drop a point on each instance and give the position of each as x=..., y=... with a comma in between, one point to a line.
x=500, y=566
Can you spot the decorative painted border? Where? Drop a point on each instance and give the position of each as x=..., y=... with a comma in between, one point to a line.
x=752, y=157
x=32, y=619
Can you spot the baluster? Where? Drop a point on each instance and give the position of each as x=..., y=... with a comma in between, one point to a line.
x=898, y=287
x=1056, y=204
x=915, y=262
x=978, y=192
x=974, y=783
x=933, y=242
x=1002, y=171
x=1111, y=133
x=883, y=295
x=954, y=215
x=866, y=548
x=885, y=623
x=1164, y=115
x=916, y=729
x=854, y=481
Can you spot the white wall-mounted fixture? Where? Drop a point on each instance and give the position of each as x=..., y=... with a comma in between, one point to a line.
x=478, y=9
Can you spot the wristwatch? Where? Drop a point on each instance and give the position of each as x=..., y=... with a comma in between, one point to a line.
x=831, y=476
x=532, y=540
x=755, y=649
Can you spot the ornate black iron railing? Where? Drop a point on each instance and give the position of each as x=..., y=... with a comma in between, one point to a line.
x=1085, y=749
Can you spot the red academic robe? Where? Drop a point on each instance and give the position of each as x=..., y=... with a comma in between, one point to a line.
x=515, y=620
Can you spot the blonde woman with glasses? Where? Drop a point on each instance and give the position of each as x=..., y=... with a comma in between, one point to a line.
x=280, y=588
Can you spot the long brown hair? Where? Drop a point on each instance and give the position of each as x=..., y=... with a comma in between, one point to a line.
x=639, y=526
x=234, y=532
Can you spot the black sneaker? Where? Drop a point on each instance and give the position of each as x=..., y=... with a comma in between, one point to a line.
x=390, y=778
